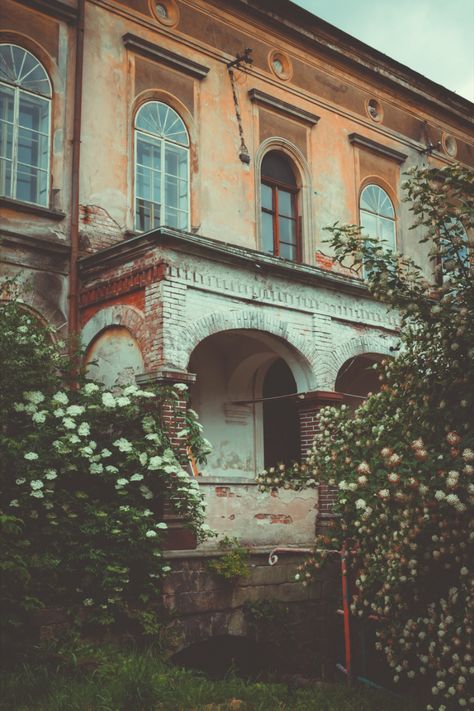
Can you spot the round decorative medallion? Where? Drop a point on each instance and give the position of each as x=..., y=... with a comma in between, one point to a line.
x=374, y=110
x=165, y=11
x=449, y=144
x=280, y=64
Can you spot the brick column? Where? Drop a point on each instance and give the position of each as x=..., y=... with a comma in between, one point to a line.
x=173, y=418
x=308, y=410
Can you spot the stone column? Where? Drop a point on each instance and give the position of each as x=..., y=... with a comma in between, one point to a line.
x=173, y=418
x=308, y=410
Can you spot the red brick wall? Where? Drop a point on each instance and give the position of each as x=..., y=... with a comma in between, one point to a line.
x=309, y=426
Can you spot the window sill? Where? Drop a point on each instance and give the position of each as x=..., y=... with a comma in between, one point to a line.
x=213, y=480
x=21, y=206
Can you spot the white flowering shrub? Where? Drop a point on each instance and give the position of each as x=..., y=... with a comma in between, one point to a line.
x=403, y=464
x=85, y=476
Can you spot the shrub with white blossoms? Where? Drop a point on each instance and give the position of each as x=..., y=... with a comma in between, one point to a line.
x=403, y=464
x=86, y=474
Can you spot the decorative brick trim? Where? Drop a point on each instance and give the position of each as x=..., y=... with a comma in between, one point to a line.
x=305, y=355
x=135, y=279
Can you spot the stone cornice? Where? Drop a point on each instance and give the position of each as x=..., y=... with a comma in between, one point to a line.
x=215, y=250
x=306, y=27
x=34, y=243
x=362, y=142
x=164, y=56
x=270, y=102
x=55, y=8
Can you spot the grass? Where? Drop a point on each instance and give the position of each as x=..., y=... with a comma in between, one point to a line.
x=121, y=680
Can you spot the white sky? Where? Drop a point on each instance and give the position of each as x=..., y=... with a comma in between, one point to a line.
x=433, y=37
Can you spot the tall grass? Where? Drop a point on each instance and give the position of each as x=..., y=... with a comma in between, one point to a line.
x=134, y=680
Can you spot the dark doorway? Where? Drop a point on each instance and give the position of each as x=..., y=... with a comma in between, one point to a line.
x=280, y=416
x=218, y=656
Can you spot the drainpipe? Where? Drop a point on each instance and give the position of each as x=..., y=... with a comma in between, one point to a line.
x=75, y=182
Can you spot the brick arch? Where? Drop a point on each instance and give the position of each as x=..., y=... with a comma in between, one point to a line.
x=119, y=315
x=358, y=345
x=303, y=356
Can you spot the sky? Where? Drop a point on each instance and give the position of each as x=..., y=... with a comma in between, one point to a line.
x=433, y=37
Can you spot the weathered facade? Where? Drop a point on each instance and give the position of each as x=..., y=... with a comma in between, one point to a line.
x=166, y=197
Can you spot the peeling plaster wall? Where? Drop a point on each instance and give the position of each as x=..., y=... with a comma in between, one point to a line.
x=226, y=321
x=260, y=519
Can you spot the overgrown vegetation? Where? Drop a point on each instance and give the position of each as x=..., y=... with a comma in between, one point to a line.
x=108, y=679
x=85, y=475
x=233, y=563
x=404, y=463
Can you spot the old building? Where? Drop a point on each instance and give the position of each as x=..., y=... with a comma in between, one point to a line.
x=166, y=173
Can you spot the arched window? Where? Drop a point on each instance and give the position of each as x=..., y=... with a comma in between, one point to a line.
x=377, y=216
x=161, y=168
x=280, y=223
x=25, y=110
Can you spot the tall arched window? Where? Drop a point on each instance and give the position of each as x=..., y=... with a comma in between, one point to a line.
x=377, y=216
x=161, y=168
x=280, y=223
x=25, y=111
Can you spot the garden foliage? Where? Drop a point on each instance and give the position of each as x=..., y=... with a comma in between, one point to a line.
x=85, y=476
x=403, y=464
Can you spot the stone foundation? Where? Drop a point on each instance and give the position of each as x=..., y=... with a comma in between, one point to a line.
x=296, y=624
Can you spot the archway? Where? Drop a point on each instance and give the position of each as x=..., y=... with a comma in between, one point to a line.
x=244, y=393
x=357, y=378
x=114, y=357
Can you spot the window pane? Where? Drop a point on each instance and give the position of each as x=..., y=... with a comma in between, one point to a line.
x=6, y=140
x=267, y=232
x=147, y=215
x=32, y=149
x=387, y=234
x=266, y=197
x=276, y=166
x=6, y=104
x=176, y=218
x=287, y=230
x=148, y=152
x=33, y=113
x=176, y=193
x=31, y=185
x=143, y=183
x=176, y=161
x=285, y=203
x=369, y=224
x=5, y=178
x=288, y=251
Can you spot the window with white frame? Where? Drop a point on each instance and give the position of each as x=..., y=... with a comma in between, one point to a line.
x=377, y=217
x=161, y=168
x=25, y=119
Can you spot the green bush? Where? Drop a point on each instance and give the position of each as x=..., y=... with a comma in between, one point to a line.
x=85, y=475
x=403, y=464
x=233, y=563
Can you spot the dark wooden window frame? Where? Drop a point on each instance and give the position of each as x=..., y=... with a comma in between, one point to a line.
x=275, y=186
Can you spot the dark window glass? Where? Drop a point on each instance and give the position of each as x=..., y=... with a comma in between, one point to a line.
x=279, y=220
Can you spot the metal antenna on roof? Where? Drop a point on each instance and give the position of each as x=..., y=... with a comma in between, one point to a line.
x=236, y=63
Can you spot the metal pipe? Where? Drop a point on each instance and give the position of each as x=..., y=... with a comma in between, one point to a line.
x=75, y=179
